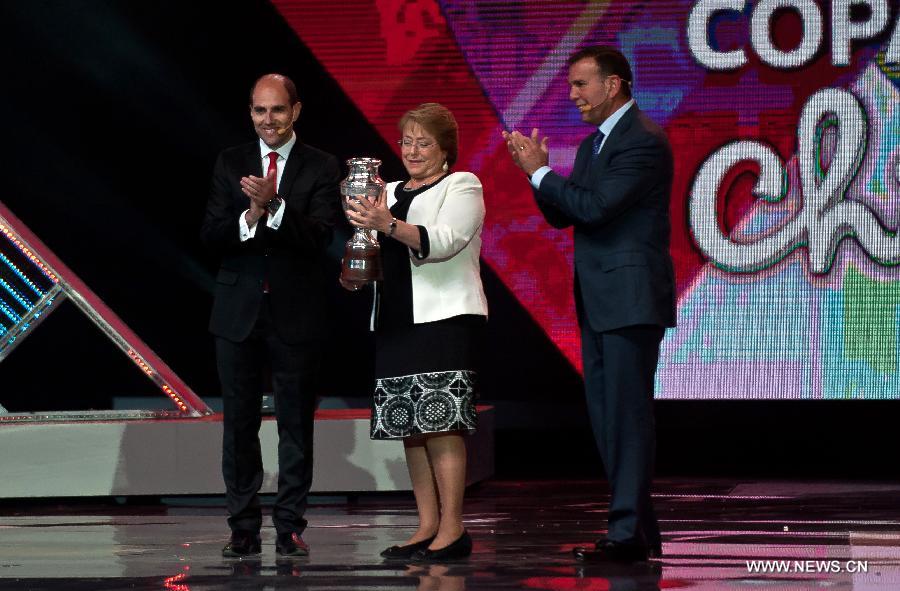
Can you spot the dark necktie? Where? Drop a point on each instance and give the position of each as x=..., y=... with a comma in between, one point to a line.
x=598, y=141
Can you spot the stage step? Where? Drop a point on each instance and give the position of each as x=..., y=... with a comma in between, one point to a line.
x=182, y=456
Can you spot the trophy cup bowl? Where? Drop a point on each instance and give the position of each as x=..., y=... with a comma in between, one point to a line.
x=362, y=253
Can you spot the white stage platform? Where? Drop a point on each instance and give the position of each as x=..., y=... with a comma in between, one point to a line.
x=183, y=456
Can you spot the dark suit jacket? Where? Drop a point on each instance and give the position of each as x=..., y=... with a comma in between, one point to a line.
x=619, y=206
x=289, y=258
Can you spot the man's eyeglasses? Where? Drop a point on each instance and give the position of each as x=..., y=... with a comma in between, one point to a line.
x=422, y=144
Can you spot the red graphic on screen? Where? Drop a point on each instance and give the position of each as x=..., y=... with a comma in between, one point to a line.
x=482, y=59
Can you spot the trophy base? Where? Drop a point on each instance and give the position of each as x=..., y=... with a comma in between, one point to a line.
x=362, y=268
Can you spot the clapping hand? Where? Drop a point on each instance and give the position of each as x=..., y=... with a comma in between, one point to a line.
x=528, y=153
x=260, y=190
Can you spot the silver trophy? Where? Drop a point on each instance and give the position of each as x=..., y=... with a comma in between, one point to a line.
x=362, y=254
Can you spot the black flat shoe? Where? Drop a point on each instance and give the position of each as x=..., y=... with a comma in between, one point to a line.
x=461, y=548
x=242, y=544
x=405, y=552
x=654, y=552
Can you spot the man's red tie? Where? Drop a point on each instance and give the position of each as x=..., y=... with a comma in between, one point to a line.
x=273, y=168
x=273, y=158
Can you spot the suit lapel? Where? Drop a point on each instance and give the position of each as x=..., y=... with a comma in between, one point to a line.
x=291, y=168
x=583, y=158
x=615, y=136
x=254, y=161
x=250, y=164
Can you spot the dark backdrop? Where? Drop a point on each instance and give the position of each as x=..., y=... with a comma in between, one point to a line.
x=113, y=115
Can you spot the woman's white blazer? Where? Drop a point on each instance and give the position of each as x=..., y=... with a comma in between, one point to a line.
x=447, y=282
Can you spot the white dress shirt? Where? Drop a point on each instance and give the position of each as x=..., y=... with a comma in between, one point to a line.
x=273, y=221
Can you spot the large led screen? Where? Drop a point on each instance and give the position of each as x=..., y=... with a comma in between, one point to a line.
x=783, y=119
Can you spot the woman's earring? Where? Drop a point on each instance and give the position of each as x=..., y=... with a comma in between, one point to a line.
x=445, y=167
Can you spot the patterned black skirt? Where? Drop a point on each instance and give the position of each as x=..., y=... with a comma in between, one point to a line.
x=425, y=378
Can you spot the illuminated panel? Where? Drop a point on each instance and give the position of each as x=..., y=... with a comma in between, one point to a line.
x=33, y=282
x=389, y=57
x=28, y=290
x=798, y=294
x=785, y=202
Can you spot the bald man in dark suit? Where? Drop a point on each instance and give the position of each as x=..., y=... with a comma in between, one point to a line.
x=269, y=218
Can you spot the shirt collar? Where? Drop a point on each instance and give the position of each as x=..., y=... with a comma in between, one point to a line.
x=283, y=151
x=607, y=126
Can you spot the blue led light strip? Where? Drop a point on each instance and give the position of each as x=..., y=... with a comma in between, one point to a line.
x=9, y=313
x=15, y=294
x=20, y=274
x=15, y=334
x=36, y=313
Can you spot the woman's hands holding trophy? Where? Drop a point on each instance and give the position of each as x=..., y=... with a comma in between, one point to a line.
x=368, y=214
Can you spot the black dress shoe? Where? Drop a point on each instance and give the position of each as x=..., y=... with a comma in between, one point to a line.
x=461, y=548
x=243, y=543
x=405, y=552
x=653, y=552
x=290, y=544
x=609, y=551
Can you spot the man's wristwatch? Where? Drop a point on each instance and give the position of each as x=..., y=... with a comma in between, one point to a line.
x=273, y=204
x=392, y=227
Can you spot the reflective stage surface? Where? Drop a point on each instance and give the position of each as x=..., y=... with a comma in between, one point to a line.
x=819, y=535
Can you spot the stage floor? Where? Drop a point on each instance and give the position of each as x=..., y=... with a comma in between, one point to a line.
x=824, y=534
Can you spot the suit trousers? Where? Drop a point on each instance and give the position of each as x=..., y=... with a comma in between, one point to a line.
x=294, y=369
x=619, y=374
